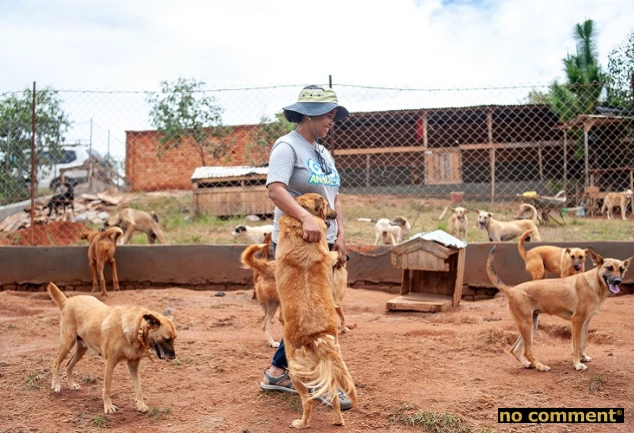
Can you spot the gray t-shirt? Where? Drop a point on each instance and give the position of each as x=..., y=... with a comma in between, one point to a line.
x=294, y=162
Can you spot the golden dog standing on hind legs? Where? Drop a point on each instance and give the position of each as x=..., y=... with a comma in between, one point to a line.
x=576, y=298
x=118, y=333
x=304, y=283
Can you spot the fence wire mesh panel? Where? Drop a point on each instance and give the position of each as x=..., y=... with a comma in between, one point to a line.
x=192, y=155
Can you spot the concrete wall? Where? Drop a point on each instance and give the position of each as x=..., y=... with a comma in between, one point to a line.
x=217, y=267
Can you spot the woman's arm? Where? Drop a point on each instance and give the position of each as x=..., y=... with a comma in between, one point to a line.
x=283, y=199
x=340, y=243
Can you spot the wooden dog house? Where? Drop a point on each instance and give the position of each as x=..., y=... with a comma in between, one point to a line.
x=229, y=191
x=433, y=270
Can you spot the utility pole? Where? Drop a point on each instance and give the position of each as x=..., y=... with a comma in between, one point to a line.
x=90, y=159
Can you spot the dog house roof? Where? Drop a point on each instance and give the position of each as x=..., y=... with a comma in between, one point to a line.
x=441, y=237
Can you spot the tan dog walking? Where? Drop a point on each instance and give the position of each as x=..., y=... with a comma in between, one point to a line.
x=131, y=220
x=498, y=231
x=101, y=249
x=304, y=283
x=562, y=262
x=576, y=298
x=613, y=199
x=118, y=333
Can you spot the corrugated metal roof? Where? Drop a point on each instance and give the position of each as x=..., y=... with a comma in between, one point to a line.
x=442, y=237
x=220, y=172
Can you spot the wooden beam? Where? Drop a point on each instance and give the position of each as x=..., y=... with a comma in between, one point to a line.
x=476, y=146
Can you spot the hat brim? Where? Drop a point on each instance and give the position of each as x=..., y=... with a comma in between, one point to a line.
x=317, y=109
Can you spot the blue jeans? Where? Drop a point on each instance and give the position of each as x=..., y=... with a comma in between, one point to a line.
x=279, y=357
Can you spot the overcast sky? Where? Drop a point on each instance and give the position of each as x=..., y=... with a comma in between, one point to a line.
x=133, y=45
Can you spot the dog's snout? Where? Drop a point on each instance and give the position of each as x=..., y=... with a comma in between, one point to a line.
x=617, y=281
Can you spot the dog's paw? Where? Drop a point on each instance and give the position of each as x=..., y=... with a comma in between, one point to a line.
x=109, y=408
x=345, y=329
x=541, y=367
x=74, y=386
x=56, y=387
x=298, y=424
x=141, y=407
x=585, y=358
x=274, y=344
x=581, y=367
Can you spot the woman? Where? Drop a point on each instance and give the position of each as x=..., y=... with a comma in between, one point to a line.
x=298, y=164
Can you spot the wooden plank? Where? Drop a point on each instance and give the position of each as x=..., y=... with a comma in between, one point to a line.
x=405, y=283
x=457, y=295
x=423, y=302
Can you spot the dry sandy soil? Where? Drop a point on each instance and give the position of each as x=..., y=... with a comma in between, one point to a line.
x=454, y=364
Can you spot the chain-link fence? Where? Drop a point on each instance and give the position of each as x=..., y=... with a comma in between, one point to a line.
x=94, y=153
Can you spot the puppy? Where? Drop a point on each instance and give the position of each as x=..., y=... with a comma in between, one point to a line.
x=118, y=333
x=254, y=233
x=304, y=284
x=498, y=231
x=101, y=249
x=131, y=220
x=613, y=199
x=562, y=262
x=458, y=223
x=576, y=298
x=392, y=232
x=62, y=199
x=264, y=285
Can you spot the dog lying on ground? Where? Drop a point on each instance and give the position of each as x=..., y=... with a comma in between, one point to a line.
x=562, y=262
x=576, y=298
x=62, y=199
x=254, y=233
x=613, y=199
x=498, y=231
x=101, y=249
x=304, y=284
x=118, y=333
x=458, y=223
x=131, y=220
x=263, y=285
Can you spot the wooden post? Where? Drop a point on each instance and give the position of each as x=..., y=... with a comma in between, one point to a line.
x=566, y=161
x=541, y=165
x=491, y=152
x=425, y=143
x=586, y=127
x=367, y=170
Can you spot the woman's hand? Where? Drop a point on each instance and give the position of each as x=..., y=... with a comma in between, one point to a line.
x=340, y=248
x=310, y=230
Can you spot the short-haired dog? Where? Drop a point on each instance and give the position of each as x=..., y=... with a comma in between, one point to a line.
x=498, y=231
x=561, y=262
x=458, y=223
x=117, y=333
x=576, y=298
x=101, y=248
x=131, y=220
x=613, y=199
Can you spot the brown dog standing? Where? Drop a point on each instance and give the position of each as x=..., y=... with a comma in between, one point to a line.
x=620, y=199
x=562, y=262
x=119, y=333
x=576, y=298
x=458, y=223
x=101, y=249
x=304, y=283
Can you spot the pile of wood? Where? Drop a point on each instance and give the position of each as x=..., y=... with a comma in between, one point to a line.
x=89, y=208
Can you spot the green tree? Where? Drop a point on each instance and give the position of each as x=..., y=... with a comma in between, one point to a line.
x=263, y=136
x=183, y=112
x=15, y=137
x=619, y=74
x=585, y=78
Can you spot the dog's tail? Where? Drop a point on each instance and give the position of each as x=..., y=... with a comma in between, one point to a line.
x=114, y=233
x=520, y=243
x=493, y=276
x=250, y=261
x=533, y=210
x=321, y=369
x=367, y=220
x=57, y=295
x=154, y=216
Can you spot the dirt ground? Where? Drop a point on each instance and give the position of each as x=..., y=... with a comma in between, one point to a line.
x=454, y=364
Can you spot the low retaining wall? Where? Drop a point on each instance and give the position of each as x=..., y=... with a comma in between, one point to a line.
x=217, y=267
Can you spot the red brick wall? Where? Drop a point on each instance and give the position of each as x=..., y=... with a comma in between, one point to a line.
x=145, y=171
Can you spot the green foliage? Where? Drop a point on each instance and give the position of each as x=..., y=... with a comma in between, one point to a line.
x=620, y=70
x=434, y=422
x=100, y=421
x=183, y=113
x=15, y=137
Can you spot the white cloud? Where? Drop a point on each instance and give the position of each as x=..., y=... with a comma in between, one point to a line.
x=422, y=44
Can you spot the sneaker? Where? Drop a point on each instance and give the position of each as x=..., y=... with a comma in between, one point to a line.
x=275, y=383
x=344, y=401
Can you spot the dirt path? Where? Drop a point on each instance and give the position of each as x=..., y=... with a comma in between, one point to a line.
x=453, y=363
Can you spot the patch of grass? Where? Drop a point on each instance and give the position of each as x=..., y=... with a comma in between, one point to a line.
x=596, y=383
x=157, y=413
x=33, y=379
x=10, y=326
x=435, y=422
x=100, y=421
x=89, y=380
x=176, y=362
x=188, y=360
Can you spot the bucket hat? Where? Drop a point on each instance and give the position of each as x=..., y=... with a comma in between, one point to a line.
x=315, y=101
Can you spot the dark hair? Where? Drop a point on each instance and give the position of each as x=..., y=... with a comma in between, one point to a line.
x=293, y=116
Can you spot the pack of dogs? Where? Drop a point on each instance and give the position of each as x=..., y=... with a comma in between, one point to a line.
x=305, y=283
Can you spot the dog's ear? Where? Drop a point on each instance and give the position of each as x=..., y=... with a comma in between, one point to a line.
x=567, y=251
x=597, y=260
x=626, y=263
x=152, y=321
